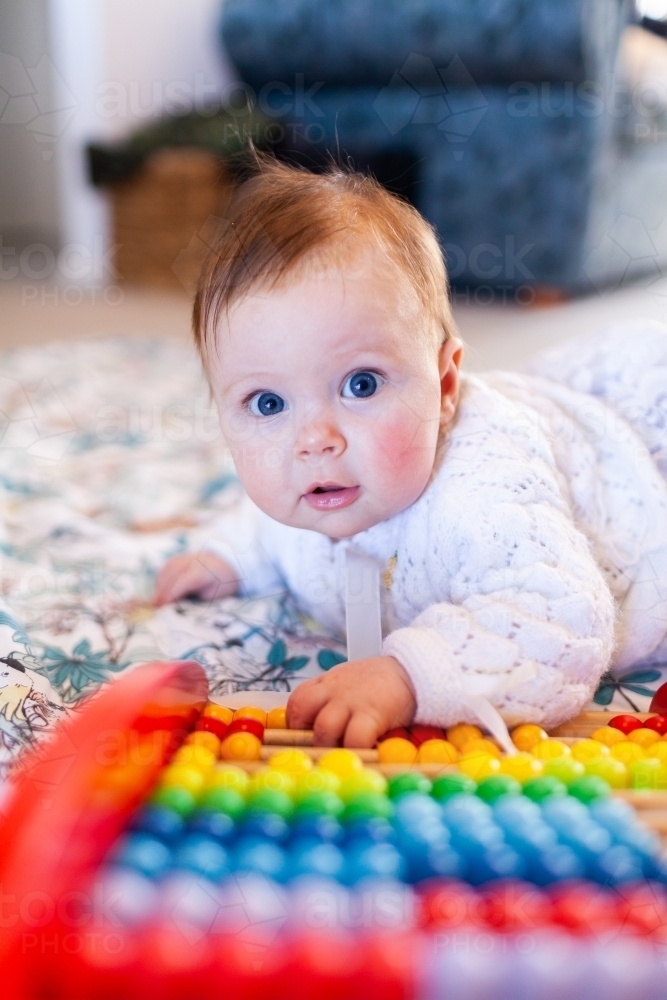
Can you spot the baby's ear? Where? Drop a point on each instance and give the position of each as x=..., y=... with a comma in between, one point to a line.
x=449, y=361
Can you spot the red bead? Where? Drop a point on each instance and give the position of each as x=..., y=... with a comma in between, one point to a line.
x=446, y=904
x=184, y=962
x=209, y=724
x=246, y=726
x=659, y=703
x=513, y=906
x=325, y=964
x=625, y=723
x=391, y=961
x=584, y=908
x=419, y=734
x=250, y=973
x=658, y=723
x=399, y=732
x=643, y=908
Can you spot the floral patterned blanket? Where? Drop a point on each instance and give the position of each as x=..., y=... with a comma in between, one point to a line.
x=111, y=460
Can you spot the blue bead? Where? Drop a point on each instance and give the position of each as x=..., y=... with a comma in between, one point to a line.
x=613, y=814
x=516, y=811
x=554, y=864
x=321, y=826
x=256, y=854
x=266, y=825
x=531, y=839
x=416, y=808
x=564, y=813
x=436, y=862
x=374, y=828
x=213, y=824
x=373, y=860
x=315, y=858
x=159, y=821
x=203, y=855
x=462, y=811
x=144, y=853
x=496, y=862
x=617, y=864
x=476, y=840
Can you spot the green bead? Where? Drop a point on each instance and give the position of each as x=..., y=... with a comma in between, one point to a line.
x=225, y=800
x=648, y=775
x=497, y=785
x=566, y=769
x=410, y=781
x=610, y=770
x=367, y=805
x=175, y=797
x=544, y=787
x=271, y=800
x=453, y=783
x=590, y=788
x=320, y=802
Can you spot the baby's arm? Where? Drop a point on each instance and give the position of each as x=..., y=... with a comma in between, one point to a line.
x=196, y=574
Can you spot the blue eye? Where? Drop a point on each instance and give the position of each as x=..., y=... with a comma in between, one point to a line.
x=361, y=385
x=266, y=404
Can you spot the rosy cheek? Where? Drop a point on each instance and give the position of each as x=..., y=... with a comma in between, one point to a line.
x=404, y=443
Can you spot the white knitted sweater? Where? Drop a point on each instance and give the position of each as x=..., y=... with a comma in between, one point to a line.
x=535, y=558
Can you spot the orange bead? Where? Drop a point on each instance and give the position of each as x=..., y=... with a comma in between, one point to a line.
x=277, y=718
x=214, y=711
x=241, y=746
x=437, y=752
x=251, y=712
x=643, y=737
x=527, y=736
x=609, y=736
x=200, y=738
x=462, y=734
x=396, y=750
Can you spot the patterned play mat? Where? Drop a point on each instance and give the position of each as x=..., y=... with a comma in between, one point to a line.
x=111, y=460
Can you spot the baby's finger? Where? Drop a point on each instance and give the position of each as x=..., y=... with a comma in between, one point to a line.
x=330, y=724
x=175, y=582
x=362, y=731
x=304, y=704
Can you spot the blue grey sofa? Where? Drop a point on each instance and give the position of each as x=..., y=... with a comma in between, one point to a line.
x=506, y=122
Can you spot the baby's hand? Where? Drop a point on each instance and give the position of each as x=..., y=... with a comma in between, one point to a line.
x=201, y=574
x=353, y=702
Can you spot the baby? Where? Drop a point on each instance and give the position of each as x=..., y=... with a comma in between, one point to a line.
x=520, y=520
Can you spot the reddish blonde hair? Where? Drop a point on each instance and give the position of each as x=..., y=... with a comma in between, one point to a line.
x=284, y=216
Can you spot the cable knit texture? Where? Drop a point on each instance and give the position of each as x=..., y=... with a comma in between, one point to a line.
x=537, y=554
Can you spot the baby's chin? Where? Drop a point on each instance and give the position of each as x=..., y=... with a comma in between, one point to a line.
x=340, y=524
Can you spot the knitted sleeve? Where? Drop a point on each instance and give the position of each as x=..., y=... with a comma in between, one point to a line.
x=242, y=537
x=526, y=619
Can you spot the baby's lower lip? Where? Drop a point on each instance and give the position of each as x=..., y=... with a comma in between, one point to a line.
x=333, y=499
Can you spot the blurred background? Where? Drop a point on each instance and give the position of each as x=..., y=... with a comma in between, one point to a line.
x=533, y=135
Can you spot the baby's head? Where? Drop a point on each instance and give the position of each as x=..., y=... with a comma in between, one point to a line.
x=324, y=325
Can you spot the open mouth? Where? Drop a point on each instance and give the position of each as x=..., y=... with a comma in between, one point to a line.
x=331, y=496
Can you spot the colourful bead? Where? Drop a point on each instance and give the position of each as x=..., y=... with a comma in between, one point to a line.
x=527, y=736
x=658, y=723
x=450, y=784
x=549, y=749
x=317, y=780
x=228, y=776
x=277, y=718
x=183, y=776
x=361, y=782
x=613, y=771
x=407, y=783
x=566, y=769
x=366, y=806
x=271, y=800
x=241, y=746
x=627, y=752
x=174, y=797
x=202, y=738
x=608, y=735
x=246, y=725
x=251, y=712
x=271, y=778
x=543, y=788
x=322, y=801
x=648, y=774
x=220, y=712
x=199, y=756
x=342, y=762
x=420, y=734
x=437, y=752
x=585, y=750
x=497, y=785
x=643, y=737
x=625, y=723
x=224, y=800
x=482, y=745
x=478, y=765
x=590, y=788
x=522, y=767
x=209, y=724
x=658, y=750
x=292, y=761
x=396, y=750
x=462, y=733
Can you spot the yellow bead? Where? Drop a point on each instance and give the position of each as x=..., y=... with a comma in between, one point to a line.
x=199, y=756
x=527, y=736
x=293, y=761
x=317, y=781
x=479, y=765
x=251, y=712
x=269, y=777
x=342, y=762
x=396, y=750
x=214, y=711
x=228, y=776
x=363, y=781
x=437, y=752
x=277, y=718
x=201, y=738
x=241, y=746
x=184, y=776
x=657, y=750
x=482, y=745
x=648, y=775
x=608, y=735
x=522, y=767
x=643, y=737
x=461, y=734
x=627, y=752
x=584, y=750
x=550, y=749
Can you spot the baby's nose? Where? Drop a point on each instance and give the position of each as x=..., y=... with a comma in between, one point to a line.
x=319, y=438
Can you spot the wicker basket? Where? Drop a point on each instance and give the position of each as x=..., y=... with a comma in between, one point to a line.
x=166, y=215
